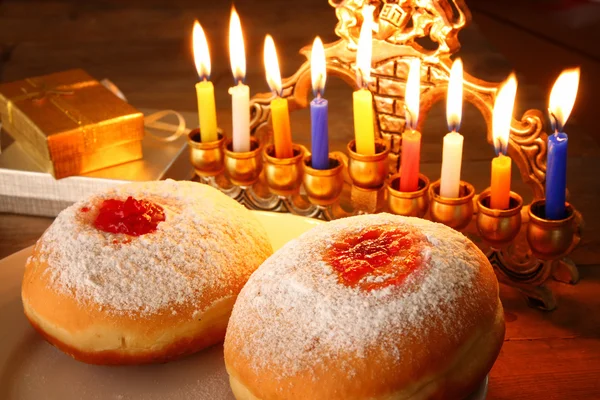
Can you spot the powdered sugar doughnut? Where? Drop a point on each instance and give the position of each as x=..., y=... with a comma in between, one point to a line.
x=145, y=272
x=367, y=307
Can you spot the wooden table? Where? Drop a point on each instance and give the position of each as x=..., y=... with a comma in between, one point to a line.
x=547, y=356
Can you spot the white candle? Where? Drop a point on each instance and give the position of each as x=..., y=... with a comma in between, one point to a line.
x=240, y=94
x=453, y=141
x=451, y=163
x=240, y=107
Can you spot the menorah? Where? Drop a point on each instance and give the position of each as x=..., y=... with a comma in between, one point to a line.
x=356, y=183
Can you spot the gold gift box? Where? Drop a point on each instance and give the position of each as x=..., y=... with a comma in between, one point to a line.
x=70, y=124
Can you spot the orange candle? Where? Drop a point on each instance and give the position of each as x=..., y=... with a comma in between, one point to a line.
x=411, y=138
x=282, y=135
x=280, y=116
x=501, y=170
x=501, y=165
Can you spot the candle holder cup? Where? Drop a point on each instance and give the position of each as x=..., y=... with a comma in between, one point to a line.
x=369, y=171
x=206, y=157
x=409, y=204
x=243, y=168
x=549, y=239
x=283, y=175
x=324, y=186
x=498, y=228
x=453, y=212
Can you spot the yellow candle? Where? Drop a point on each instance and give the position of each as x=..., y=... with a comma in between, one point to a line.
x=282, y=135
x=364, y=131
x=207, y=112
x=205, y=91
x=501, y=169
x=363, y=122
x=280, y=116
x=501, y=165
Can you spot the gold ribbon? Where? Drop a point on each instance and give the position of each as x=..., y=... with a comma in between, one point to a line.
x=152, y=121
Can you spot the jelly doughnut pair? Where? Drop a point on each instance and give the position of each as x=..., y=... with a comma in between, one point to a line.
x=367, y=307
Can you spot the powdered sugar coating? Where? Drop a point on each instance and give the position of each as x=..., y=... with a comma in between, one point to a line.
x=295, y=314
x=206, y=241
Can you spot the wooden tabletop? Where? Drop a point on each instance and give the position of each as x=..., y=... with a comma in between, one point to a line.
x=144, y=48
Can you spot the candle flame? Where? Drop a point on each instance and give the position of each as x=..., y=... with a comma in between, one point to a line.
x=318, y=71
x=365, y=48
x=502, y=116
x=454, y=98
x=272, y=66
x=412, y=95
x=237, y=54
x=562, y=98
x=201, y=53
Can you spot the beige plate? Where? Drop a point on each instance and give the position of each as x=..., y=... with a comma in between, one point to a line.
x=32, y=369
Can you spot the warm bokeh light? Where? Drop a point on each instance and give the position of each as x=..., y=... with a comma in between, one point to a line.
x=237, y=53
x=272, y=66
x=413, y=94
x=318, y=71
x=201, y=53
x=454, y=98
x=503, y=112
x=365, y=47
x=562, y=98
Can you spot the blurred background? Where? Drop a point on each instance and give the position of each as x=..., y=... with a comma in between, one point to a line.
x=144, y=46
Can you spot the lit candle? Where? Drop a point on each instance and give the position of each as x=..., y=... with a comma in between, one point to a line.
x=411, y=138
x=502, y=164
x=562, y=99
x=318, y=107
x=453, y=141
x=363, y=99
x=280, y=116
x=240, y=93
x=205, y=91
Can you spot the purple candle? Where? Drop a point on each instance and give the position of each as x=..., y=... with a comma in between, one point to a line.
x=562, y=99
x=319, y=133
x=318, y=108
x=556, y=176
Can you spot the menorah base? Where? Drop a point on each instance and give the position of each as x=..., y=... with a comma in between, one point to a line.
x=530, y=275
x=513, y=260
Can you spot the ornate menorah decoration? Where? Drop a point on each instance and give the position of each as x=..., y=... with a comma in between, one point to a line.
x=401, y=28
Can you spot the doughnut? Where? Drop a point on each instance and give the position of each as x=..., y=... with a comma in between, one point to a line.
x=142, y=273
x=367, y=307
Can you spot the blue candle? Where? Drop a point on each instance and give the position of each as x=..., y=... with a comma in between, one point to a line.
x=556, y=176
x=562, y=99
x=318, y=107
x=319, y=133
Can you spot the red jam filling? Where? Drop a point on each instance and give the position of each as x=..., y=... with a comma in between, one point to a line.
x=131, y=217
x=376, y=257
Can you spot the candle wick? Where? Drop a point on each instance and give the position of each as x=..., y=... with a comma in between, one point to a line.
x=553, y=122
x=361, y=80
x=410, y=118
